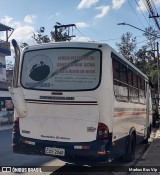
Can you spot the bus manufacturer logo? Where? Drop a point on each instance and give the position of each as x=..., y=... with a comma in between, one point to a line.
x=25, y=131
x=56, y=98
x=91, y=129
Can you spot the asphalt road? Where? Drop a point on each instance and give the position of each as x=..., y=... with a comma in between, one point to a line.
x=8, y=158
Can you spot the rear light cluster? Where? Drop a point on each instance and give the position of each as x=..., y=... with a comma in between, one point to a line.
x=16, y=125
x=16, y=135
x=102, y=132
x=82, y=147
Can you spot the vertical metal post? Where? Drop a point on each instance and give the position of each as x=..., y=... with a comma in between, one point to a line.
x=56, y=33
x=158, y=67
x=7, y=35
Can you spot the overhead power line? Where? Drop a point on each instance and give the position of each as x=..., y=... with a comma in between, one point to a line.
x=142, y=12
x=153, y=12
x=135, y=13
x=82, y=34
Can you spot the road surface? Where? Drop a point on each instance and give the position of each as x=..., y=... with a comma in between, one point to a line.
x=8, y=158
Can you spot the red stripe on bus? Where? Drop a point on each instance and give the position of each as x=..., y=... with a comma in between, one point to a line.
x=126, y=113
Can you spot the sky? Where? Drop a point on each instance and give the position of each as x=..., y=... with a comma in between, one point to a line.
x=96, y=20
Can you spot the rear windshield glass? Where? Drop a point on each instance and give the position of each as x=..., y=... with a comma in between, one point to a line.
x=61, y=69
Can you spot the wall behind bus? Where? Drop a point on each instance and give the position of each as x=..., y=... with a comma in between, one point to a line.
x=6, y=117
x=6, y=108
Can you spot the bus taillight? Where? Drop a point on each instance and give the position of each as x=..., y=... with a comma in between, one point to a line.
x=16, y=125
x=102, y=131
x=16, y=120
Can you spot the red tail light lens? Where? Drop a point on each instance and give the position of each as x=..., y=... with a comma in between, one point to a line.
x=16, y=125
x=102, y=131
x=16, y=120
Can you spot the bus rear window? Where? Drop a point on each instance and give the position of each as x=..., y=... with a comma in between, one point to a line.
x=61, y=69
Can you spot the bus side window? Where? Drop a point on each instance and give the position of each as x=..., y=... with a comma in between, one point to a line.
x=130, y=80
x=123, y=73
x=116, y=75
x=120, y=80
x=133, y=87
x=141, y=86
x=128, y=84
x=139, y=83
x=135, y=84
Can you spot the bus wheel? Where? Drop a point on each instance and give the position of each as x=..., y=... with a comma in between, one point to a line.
x=130, y=148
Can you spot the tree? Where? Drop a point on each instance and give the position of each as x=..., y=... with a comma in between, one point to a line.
x=147, y=61
x=151, y=35
x=22, y=45
x=127, y=46
x=146, y=53
x=39, y=37
x=61, y=33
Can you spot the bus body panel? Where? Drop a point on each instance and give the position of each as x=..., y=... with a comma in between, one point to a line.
x=67, y=121
x=127, y=116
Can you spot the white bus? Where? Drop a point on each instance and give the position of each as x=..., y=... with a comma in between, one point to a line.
x=79, y=102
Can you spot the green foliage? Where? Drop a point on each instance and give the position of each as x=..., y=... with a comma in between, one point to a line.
x=151, y=35
x=127, y=46
x=61, y=33
x=147, y=57
x=40, y=38
x=23, y=45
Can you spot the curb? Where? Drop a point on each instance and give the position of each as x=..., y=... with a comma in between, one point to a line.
x=157, y=135
x=146, y=153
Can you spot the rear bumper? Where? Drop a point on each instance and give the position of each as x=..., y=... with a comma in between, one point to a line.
x=99, y=150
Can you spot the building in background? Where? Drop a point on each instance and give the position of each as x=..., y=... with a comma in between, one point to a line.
x=5, y=50
x=9, y=76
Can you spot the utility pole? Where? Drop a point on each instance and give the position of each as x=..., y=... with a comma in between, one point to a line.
x=154, y=16
x=61, y=28
x=153, y=13
x=158, y=67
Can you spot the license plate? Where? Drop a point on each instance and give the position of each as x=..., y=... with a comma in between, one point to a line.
x=55, y=151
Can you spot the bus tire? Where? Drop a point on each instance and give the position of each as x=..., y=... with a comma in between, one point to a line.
x=130, y=148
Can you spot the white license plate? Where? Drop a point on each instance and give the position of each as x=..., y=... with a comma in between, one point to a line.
x=55, y=151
